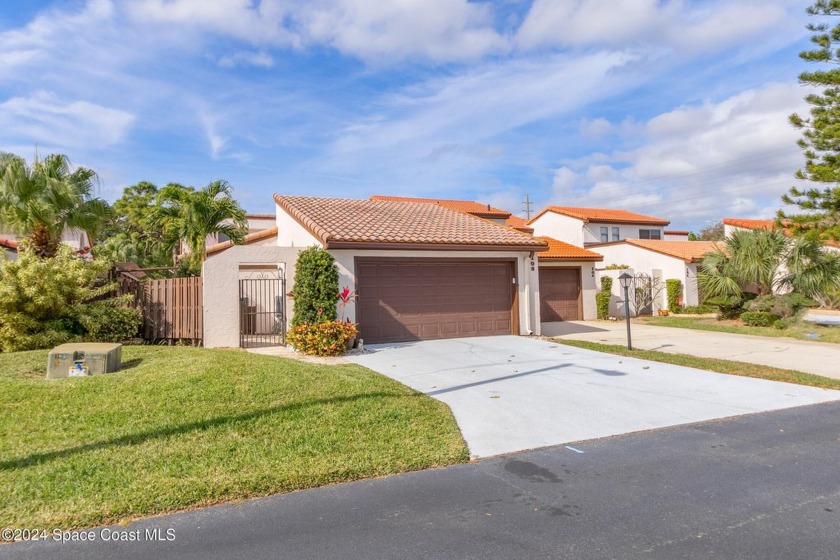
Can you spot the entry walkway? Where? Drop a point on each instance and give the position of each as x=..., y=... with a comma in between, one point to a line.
x=819, y=358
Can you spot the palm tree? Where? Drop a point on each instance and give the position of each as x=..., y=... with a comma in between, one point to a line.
x=189, y=216
x=762, y=261
x=814, y=271
x=42, y=200
x=747, y=261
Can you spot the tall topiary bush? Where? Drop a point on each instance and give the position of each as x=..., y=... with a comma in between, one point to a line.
x=316, y=287
x=602, y=298
x=673, y=288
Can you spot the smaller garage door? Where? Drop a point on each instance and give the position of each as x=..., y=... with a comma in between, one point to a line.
x=560, y=294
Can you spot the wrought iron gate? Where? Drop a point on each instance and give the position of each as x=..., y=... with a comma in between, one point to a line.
x=262, y=310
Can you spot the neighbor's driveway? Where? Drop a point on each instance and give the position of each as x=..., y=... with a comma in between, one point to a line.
x=819, y=358
x=511, y=393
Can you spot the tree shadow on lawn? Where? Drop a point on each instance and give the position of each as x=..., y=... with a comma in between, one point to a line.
x=142, y=437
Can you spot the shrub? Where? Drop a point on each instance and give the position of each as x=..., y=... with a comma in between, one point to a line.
x=786, y=305
x=316, y=287
x=602, y=298
x=730, y=307
x=673, y=290
x=105, y=322
x=696, y=309
x=43, y=301
x=616, y=267
x=322, y=339
x=759, y=318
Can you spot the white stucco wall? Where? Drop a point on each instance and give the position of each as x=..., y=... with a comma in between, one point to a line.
x=221, y=288
x=291, y=234
x=675, y=237
x=592, y=231
x=644, y=261
x=526, y=281
x=588, y=285
x=260, y=224
x=558, y=226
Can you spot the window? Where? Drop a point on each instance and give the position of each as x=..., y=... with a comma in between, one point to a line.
x=650, y=234
x=616, y=235
x=605, y=234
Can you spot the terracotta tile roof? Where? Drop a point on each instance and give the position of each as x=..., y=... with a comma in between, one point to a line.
x=566, y=251
x=260, y=216
x=604, y=215
x=750, y=224
x=9, y=243
x=468, y=206
x=768, y=224
x=390, y=224
x=250, y=238
x=676, y=232
x=518, y=223
x=689, y=251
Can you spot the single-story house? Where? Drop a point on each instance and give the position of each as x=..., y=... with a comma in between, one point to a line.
x=587, y=226
x=662, y=260
x=420, y=270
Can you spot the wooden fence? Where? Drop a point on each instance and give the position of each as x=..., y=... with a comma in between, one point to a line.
x=172, y=308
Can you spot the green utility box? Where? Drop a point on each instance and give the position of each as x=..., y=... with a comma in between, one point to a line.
x=85, y=358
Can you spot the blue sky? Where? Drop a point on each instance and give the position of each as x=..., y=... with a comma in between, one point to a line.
x=673, y=108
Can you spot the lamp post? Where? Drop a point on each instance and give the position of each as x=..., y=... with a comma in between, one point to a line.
x=625, y=280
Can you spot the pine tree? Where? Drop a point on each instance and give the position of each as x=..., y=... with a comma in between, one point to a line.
x=820, y=142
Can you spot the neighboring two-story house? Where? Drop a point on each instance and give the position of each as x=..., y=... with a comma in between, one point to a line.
x=588, y=226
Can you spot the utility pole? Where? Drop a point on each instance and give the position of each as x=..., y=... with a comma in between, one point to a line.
x=527, y=203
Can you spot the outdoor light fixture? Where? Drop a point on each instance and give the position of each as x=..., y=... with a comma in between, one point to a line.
x=625, y=280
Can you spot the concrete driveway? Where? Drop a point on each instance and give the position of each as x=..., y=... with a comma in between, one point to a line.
x=511, y=393
x=819, y=358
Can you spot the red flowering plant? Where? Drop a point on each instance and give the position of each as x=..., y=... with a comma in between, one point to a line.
x=345, y=296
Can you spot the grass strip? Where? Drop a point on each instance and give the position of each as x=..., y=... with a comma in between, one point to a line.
x=711, y=364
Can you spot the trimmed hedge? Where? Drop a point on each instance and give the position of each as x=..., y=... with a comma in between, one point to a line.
x=316, y=287
x=759, y=318
x=673, y=289
x=602, y=298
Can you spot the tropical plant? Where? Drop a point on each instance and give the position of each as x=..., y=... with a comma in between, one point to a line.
x=42, y=200
x=44, y=302
x=761, y=262
x=129, y=234
x=748, y=261
x=188, y=216
x=814, y=272
x=646, y=290
x=322, y=339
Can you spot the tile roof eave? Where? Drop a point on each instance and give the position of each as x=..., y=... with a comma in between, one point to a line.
x=395, y=246
x=649, y=221
x=570, y=258
x=250, y=238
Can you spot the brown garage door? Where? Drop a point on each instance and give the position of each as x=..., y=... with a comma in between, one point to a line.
x=559, y=294
x=402, y=300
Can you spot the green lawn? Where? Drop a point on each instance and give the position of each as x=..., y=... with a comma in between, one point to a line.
x=184, y=427
x=798, y=330
x=710, y=364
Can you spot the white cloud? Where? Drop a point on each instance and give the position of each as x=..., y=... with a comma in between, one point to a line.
x=734, y=157
x=677, y=24
x=46, y=118
x=563, y=181
x=247, y=58
x=369, y=29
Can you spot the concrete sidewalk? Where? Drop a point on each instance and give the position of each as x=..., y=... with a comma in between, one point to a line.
x=819, y=358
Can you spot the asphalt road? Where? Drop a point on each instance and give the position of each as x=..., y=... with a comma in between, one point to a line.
x=765, y=486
